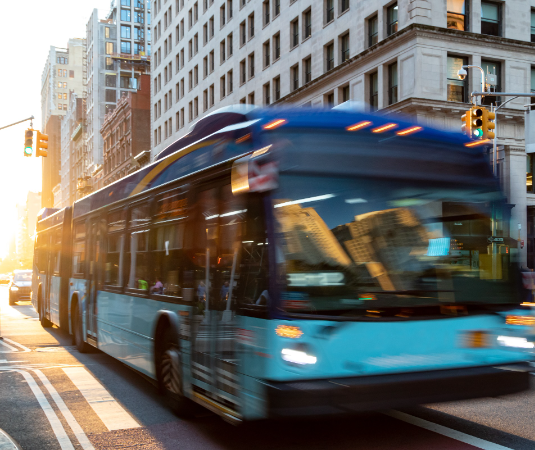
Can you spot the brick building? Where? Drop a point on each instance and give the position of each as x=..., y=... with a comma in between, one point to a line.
x=126, y=133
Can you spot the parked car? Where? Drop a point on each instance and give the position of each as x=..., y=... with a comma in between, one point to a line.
x=20, y=288
x=4, y=279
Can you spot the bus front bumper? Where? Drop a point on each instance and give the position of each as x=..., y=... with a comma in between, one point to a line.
x=378, y=392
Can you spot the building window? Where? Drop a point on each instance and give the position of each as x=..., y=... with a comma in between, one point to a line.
x=222, y=87
x=344, y=47
x=251, y=98
x=266, y=91
x=110, y=95
x=345, y=94
x=230, y=45
x=230, y=78
x=265, y=7
x=373, y=31
x=329, y=100
x=276, y=46
x=492, y=67
x=111, y=80
x=307, y=21
x=329, y=57
x=294, y=33
x=530, y=160
x=125, y=47
x=251, y=26
x=307, y=68
x=393, y=83
x=533, y=25
x=222, y=16
x=294, y=77
x=490, y=18
x=457, y=15
x=267, y=52
x=392, y=17
x=276, y=8
x=344, y=6
x=212, y=95
x=222, y=51
x=374, y=91
x=532, y=88
x=125, y=32
x=212, y=61
x=277, y=88
x=243, y=72
x=251, y=65
x=125, y=15
x=107, y=32
x=243, y=33
x=205, y=100
x=109, y=48
x=457, y=89
x=329, y=10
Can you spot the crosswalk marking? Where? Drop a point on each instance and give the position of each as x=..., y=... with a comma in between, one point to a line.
x=10, y=349
x=55, y=423
x=105, y=406
x=75, y=426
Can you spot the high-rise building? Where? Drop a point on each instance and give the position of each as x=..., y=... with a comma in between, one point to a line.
x=118, y=53
x=62, y=75
x=396, y=57
x=26, y=223
x=126, y=133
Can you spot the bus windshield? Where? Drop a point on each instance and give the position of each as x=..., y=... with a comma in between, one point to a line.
x=368, y=246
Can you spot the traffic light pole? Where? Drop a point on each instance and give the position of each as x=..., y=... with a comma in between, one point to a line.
x=16, y=123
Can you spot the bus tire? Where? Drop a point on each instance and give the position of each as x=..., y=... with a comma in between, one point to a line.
x=45, y=323
x=78, y=331
x=169, y=373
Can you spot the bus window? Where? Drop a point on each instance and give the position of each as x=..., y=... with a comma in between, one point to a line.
x=56, y=251
x=78, y=254
x=140, y=215
x=138, y=257
x=231, y=225
x=114, y=268
x=169, y=260
x=253, y=282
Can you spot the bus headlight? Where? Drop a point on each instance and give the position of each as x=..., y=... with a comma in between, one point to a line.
x=513, y=341
x=14, y=288
x=297, y=357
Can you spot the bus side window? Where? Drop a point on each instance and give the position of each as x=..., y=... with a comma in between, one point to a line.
x=168, y=260
x=137, y=249
x=114, y=266
x=78, y=256
x=231, y=225
x=253, y=282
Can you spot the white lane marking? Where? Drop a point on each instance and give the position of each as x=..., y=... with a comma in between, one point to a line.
x=107, y=408
x=55, y=423
x=24, y=349
x=11, y=349
x=454, y=434
x=75, y=426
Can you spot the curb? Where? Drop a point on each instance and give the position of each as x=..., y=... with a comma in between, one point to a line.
x=7, y=442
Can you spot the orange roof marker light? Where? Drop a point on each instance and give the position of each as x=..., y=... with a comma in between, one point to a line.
x=274, y=124
x=409, y=131
x=358, y=126
x=386, y=127
x=476, y=143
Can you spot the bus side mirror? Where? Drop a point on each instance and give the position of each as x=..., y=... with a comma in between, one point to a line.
x=254, y=174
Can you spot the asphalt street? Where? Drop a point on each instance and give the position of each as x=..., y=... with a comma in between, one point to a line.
x=53, y=397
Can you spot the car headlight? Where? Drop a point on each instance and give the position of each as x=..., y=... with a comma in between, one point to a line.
x=513, y=341
x=14, y=288
x=297, y=357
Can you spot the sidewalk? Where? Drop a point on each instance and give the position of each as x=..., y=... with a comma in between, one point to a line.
x=7, y=442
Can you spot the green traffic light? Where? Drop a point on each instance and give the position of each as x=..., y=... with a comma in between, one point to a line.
x=28, y=151
x=478, y=132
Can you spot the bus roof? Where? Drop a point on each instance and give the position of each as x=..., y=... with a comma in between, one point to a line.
x=411, y=155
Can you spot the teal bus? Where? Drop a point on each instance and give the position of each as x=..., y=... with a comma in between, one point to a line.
x=285, y=262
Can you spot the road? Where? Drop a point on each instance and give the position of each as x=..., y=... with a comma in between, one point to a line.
x=53, y=397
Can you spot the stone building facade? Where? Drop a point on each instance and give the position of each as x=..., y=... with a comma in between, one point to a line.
x=126, y=133
x=396, y=57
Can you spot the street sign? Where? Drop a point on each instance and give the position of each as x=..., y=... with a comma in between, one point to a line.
x=492, y=239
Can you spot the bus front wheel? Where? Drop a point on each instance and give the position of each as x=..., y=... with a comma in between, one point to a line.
x=83, y=347
x=45, y=323
x=170, y=378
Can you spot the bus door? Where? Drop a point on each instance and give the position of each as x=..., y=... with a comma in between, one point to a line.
x=95, y=249
x=216, y=256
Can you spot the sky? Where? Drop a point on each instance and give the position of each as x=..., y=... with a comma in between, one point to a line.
x=32, y=26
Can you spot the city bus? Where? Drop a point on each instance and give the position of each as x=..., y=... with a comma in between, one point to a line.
x=297, y=262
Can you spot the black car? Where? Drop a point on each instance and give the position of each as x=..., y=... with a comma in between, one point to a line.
x=20, y=287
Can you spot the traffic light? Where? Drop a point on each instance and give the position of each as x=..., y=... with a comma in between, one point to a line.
x=467, y=120
x=28, y=143
x=488, y=124
x=477, y=122
x=41, y=143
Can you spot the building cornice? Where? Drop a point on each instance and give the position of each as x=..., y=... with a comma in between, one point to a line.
x=405, y=35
